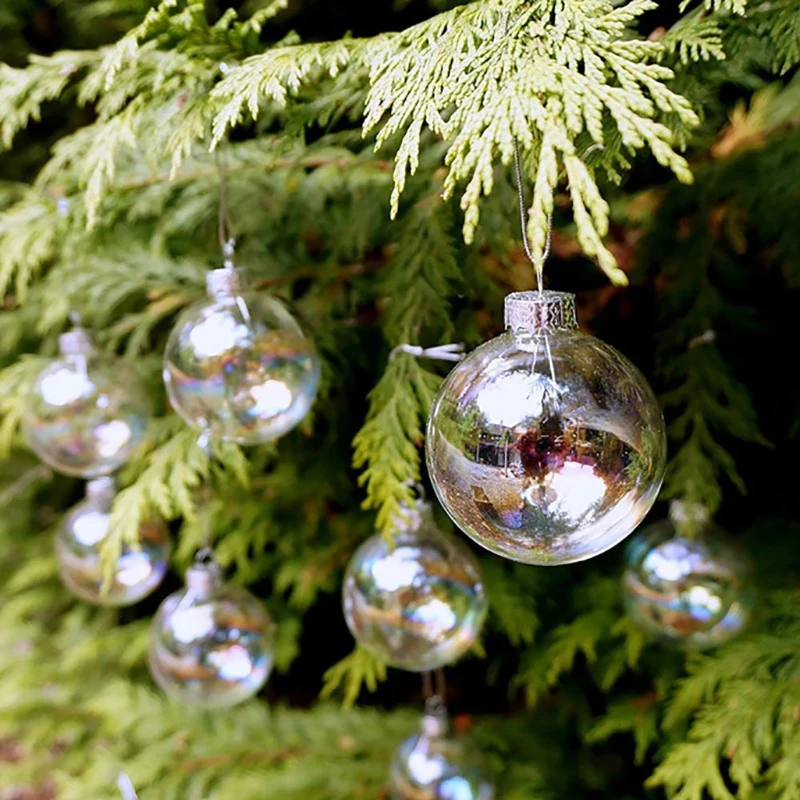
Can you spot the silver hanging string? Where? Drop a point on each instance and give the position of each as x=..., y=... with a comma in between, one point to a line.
x=227, y=241
x=434, y=690
x=441, y=352
x=538, y=263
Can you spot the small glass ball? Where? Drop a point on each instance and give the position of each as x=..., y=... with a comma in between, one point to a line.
x=87, y=411
x=695, y=591
x=238, y=364
x=138, y=570
x=212, y=644
x=545, y=445
x=434, y=765
x=416, y=601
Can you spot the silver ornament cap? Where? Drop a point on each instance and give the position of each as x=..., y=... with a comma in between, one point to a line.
x=76, y=342
x=101, y=487
x=225, y=282
x=531, y=312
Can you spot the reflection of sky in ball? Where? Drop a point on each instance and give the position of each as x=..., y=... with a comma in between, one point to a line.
x=706, y=605
x=65, y=386
x=217, y=333
x=192, y=623
x=458, y=788
x=90, y=528
x=112, y=437
x=438, y=615
x=271, y=397
x=512, y=397
x=426, y=768
x=575, y=488
x=233, y=663
x=394, y=572
x=133, y=568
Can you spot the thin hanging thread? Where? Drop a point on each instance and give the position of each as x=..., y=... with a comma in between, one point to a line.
x=227, y=241
x=434, y=689
x=538, y=263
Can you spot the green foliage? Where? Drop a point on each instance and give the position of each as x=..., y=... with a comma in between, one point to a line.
x=110, y=208
x=504, y=70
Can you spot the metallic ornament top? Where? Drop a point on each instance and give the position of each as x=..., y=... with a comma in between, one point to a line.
x=434, y=765
x=546, y=445
x=212, y=644
x=87, y=411
x=138, y=570
x=238, y=364
x=416, y=600
x=695, y=590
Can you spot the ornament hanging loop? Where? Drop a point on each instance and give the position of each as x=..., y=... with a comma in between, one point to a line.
x=442, y=352
x=227, y=241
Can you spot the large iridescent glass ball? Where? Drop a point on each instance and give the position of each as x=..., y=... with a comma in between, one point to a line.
x=693, y=590
x=86, y=411
x=434, y=765
x=414, y=599
x=212, y=644
x=137, y=571
x=238, y=364
x=546, y=445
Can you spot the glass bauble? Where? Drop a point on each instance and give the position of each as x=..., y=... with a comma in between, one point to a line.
x=692, y=589
x=212, y=644
x=238, y=364
x=434, y=765
x=545, y=445
x=416, y=599
x=138, y=570
x=87, y=411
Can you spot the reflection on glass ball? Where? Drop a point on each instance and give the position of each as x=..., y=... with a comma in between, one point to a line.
x=546, y=445
x=138, y=570
x=697, y=592
x=238, y=364
x=434, y=765
x=213, y=644
x=87, y=411
x=416, y=602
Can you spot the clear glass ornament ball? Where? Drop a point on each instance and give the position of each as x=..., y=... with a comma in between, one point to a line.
x=546, y=445
x=87, y=411
x=238, y=364
x=140, y=567
x=434, y=765
x=693, y=591
x=417, y=600
x=213, y=644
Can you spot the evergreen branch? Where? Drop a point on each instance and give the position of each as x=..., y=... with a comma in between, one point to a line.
x=358, y=670
x=545, y=82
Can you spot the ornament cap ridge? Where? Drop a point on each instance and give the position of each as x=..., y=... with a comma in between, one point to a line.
x=202, y=576
x=225, y=282
x=76, y=342
x=98, y=487
x=534, y=311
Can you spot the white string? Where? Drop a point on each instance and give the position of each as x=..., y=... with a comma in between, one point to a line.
x=442, y=352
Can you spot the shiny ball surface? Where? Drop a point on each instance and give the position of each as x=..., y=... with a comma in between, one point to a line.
x=437, y=766
x=137, y=572
x=212, y=644
x=694, y=592
x=545, y=445
x=239, y=365
x=416, y=602
x=86, y=413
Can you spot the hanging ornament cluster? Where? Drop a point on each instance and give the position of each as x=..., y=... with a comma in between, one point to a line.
x=211, y=644
x=685, y=584
x=87, y=411
x=139, y=568
x=415, y=599
x=85, y=414
x=238, y=365
x=546, y=445
x=435, y=765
